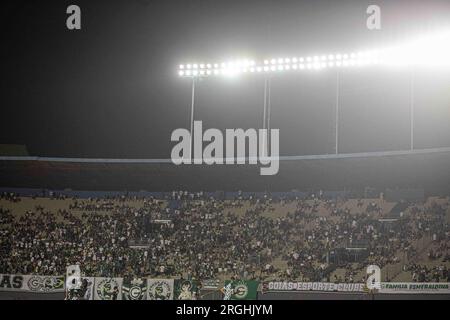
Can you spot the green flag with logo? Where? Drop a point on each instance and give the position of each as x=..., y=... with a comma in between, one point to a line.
x=240, y=289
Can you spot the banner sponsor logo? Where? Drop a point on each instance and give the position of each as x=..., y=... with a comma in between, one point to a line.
x=415, y=287
x=160, y=289
x=134, y=290
x=313, y=286
x=108, y=288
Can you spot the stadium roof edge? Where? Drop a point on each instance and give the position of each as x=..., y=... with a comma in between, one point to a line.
x=281, y=158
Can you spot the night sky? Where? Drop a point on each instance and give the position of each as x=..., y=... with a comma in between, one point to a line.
x=111, y=89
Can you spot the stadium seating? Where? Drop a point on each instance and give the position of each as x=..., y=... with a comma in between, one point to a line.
x=314, y=239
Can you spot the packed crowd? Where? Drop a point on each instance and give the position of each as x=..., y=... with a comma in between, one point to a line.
x=422, y=273
x=204, y=237
x=9, y=196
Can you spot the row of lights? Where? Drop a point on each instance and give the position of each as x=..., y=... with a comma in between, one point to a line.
x=216, y=66
x=280, y=64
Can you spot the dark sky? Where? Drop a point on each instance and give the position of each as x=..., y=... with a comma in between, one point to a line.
x=111, y=89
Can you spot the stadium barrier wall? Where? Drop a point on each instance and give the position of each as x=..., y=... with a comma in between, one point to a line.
x=37, y=287
x=226, y=195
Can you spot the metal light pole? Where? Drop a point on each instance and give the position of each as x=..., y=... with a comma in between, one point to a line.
x=266, y=115
x=191, y=156
x=336, y=147
x=411, y=108
x=264, y=112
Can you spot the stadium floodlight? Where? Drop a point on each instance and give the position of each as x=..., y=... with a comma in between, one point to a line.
x=277, y=65
x=424, y=51
x=432, y=50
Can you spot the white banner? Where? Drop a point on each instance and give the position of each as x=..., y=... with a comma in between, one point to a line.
x=134, y=289
x=33, y=283
x=415, y=287
x=11, y=282
x=108, y=288
x=85, y=292
x=313, y=286
x=160, y=289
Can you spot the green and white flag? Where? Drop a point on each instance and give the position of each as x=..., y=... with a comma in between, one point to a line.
x=33, y=283
x=44, y=283
x=135, y=289
x=240, y=289
x=108, y=289
x=160, y=289
x=185, y=289
x=84, y=292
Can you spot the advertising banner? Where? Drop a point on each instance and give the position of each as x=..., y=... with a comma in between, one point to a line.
x=415, y=287
x=312, y=286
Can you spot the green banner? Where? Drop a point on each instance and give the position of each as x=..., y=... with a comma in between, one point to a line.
x=240, y=289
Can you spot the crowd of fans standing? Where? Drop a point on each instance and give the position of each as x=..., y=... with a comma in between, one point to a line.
x=205, y=237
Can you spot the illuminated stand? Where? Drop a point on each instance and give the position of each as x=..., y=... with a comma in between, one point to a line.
x=430, y=51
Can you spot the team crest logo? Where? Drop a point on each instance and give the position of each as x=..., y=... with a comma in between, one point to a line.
x=240, y=290
x=136, y=291
x=160, y=290
x=45, y=284
x=108, y=289
x=236, y=290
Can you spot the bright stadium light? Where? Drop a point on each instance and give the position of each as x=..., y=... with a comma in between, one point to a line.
x=426, y=51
